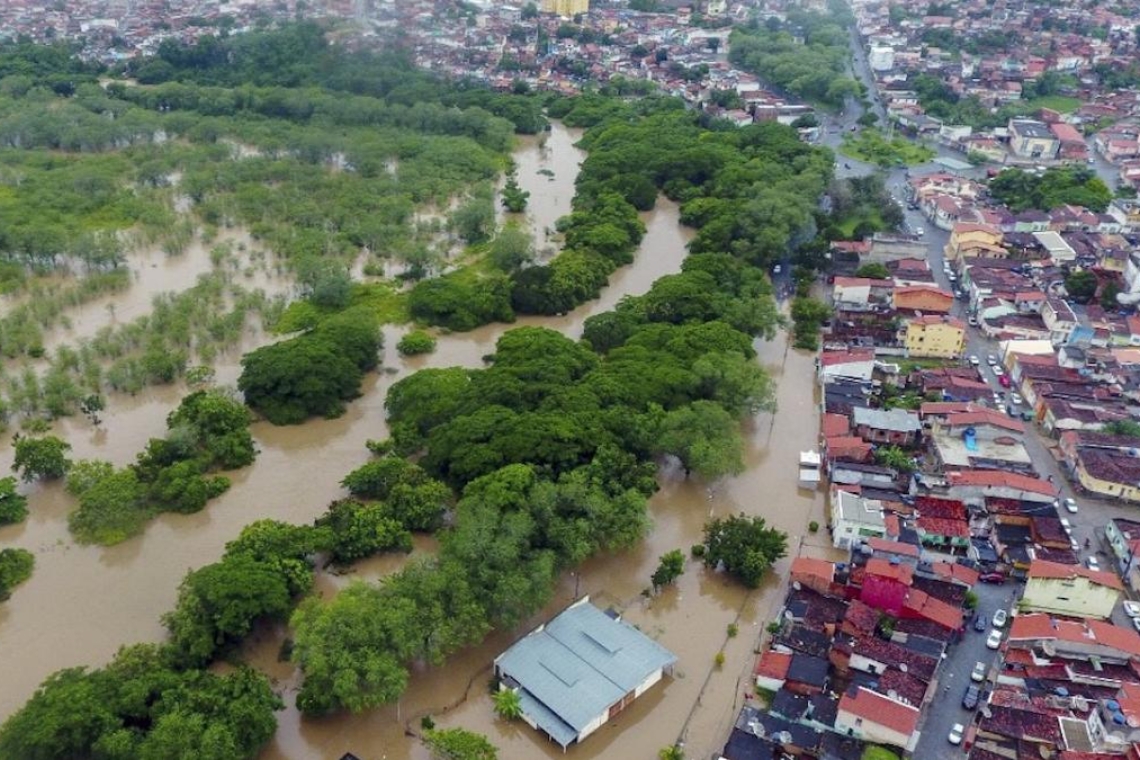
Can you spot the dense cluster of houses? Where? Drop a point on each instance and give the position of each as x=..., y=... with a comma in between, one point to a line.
x=858, y=654
x=998, y=52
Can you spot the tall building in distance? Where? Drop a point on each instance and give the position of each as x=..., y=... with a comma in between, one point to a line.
x=566, y=7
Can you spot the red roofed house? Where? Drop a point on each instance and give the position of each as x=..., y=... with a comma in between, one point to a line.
x=816, y=574
x=1071, y=590
x=924, y=298
x=869, y=716
x=975, y=485
x=922, y=606
x=886, y=585
x=772, y=670
x=1075, y=640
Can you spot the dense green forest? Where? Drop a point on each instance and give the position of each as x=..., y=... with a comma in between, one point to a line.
x=805, y=56
x=524, y=468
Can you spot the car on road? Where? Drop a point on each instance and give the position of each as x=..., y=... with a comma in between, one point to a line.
x=1136, y=624
x=970, y=698
x=1071, y=506
x=1092, y=564
x=919, y=231
x=1068, y=526
x=979, y=672
x=1000, y=617
x=1016, y=398
x=998, y=371
x=1074, y=545
x=1132, y=609
x=994, y=639
x=996, y=578
x=956, y=732
x=973, y=321
x=980, y=623
x=1003, y=381
x=991, y=360
x=974, y=360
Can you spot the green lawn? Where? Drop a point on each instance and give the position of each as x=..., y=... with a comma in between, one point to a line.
x=851, y=221
x=1059, y=103
x=870, y=146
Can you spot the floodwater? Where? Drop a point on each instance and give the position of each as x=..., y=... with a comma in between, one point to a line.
x=546, y=166
x=83, y=603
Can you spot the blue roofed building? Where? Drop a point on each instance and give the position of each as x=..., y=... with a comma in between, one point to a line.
x=580, y=670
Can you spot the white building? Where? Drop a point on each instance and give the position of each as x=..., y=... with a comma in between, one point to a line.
x=854, y=518
x=881, y=58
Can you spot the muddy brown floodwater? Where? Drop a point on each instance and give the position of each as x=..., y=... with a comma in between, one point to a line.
x=83, y=603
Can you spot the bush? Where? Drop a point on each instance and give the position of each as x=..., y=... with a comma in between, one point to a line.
x=733, y=630
x=415, y=343
x=13, y=505
x=719, y=659
x=813, y=527
x=15, y=568
x=698, y=550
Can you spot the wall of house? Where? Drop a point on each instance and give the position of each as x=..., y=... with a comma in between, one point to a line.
x=1077, y=597
x=846, y=723
x=1107, y=488
x=939, y=341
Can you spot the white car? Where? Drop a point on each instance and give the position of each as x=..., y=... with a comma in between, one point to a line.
x=991, y=360
x=1092, y=564
x=974, y=360
x=1068, y=526
x=919, y=231
x=1071, y=506
x=979, y=673
x=1016, y=399
x=998, y=371
x=956, y=733
x=999, y=618
x=1132, y=609
x=994, y=640
x=1136, y=624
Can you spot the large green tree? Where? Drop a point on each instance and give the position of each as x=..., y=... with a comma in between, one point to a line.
x=746, y=546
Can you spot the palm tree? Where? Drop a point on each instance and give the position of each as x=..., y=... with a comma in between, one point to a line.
x=508, y=704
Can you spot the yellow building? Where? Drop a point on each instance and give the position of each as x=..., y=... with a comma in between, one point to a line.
x=1070, y=590
x=935, y=336
x=969, y=240
x=566, y=7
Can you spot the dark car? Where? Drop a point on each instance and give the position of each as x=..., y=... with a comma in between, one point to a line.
x=980, y=623
x=970, y=698
x=992, y=578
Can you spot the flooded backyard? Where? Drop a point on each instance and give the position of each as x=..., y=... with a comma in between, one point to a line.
x=83, y=603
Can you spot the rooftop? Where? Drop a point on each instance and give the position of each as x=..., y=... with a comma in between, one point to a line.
x=874, y=707
x=577, y=665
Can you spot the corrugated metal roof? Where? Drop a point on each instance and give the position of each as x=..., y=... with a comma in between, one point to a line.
x=578, y=665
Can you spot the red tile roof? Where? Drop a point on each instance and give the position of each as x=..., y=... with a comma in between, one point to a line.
x=998, y=478
x=773, y=664
x=876, y=708
x=861, y=617
x=985, y=417
x=935, y=610
x=942, y=526
x=830, y=358
x=809, y=567
x=893, y=547
x=834, y=425
x=1040, y=626
x=884, y=569
x=954, y=571
x=939, y=408
x=1039, y=568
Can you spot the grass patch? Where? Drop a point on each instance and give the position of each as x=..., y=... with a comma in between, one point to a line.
x=1059, y=103
x=848, y=223
x=870, y=146
x=389, y=305
x=910, y=365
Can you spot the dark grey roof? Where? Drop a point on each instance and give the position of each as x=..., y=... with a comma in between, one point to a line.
x=746, y=746
x=788, y=704
x=572, y=669
x=808, y=669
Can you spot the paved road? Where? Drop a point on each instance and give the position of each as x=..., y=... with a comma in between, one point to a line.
x=946, y=710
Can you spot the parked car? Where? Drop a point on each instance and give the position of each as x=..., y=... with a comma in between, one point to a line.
x=956, y=734
x=979, y=672
x=980, y=623
x=1136, y=624
x=974, y=360
x=973, y=321
x=1092, y=564
x=1066, y=525
x=994, y=640
x=970, y=698
x=1016, y=398
x=1003, y=381
x=1071, y=506
x=998, y=371
x=1132, y=609
x=992, y=578
x=919, y=231
x=991, y=360
x=999, y=618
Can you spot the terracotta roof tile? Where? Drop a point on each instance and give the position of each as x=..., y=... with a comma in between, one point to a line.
x=1042, y=569
x=876, y=708
x=773, y=664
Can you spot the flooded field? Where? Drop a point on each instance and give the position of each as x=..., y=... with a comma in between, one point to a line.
x=82, y=603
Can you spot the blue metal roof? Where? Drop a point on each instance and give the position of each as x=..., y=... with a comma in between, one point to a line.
x=580, y=663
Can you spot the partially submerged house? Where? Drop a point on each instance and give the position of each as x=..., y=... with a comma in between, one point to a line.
x=580, y=670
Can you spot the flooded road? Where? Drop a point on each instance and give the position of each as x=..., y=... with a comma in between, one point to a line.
x=83, y=603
